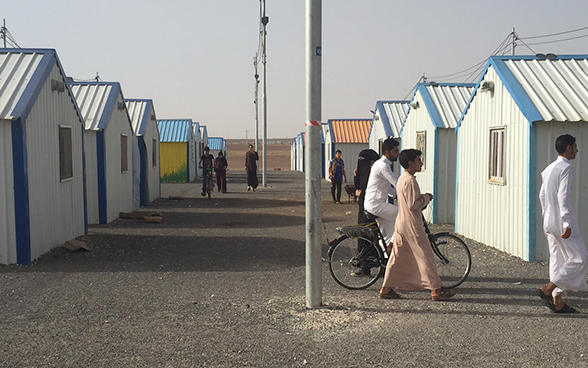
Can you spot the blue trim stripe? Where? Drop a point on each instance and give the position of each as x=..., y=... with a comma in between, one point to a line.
x=144, y=184
x=101, y=163
x=383, y=118
x=331, y=134
x=84, y=181
x=34, y=86
x=21, y=192
x=430, y=105
x=456, y=182
x=531, y=192
x=435, y=204
x=516, y=90
x=110, y=104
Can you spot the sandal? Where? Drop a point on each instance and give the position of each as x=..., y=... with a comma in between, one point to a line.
x=390, y=295
x=565, y=309
x=547, y=299
x=445, y=294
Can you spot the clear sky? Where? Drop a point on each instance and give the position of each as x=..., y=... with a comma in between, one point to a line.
x=194, y=58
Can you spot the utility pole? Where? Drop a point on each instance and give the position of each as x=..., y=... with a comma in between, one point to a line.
x=256, y=101
x=264, y=21
x=3, y=31
x=514, y=38
x=313, y=197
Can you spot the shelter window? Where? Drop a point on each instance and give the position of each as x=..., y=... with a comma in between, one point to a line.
x=154, y=152
x=421, y=145
x=124, y=149
x=496, y=158
x=65, y=153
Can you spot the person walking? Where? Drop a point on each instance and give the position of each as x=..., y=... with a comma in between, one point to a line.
x=381, y=186
x=251, y=158
x=220, y=168
x=568, y=258
x=336, y=174
x=365, y=161
x=412, y=263
x=206, y=164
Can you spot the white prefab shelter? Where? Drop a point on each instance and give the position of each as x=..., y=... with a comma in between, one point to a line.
x=506, y=138
x=41, y=156
x=197, y=146
x=293, y=154
x=300, y=147
x=146, y=151
x=204, y=138
x=348, y=135
x=429, y=126
x=109, y=149
x=387, y=123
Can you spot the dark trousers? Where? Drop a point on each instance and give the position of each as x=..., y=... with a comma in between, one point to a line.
x=204, y=174
x=362, y=218
x=336, y=185
x=221, y=180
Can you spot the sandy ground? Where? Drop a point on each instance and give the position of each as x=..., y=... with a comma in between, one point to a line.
x=278, y=155
x=221, y=283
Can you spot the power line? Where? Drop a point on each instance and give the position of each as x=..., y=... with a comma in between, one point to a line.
x=555, y=34
x=556, y=41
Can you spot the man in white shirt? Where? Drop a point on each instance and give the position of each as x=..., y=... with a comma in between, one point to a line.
x=381, y=185
x=568, y=258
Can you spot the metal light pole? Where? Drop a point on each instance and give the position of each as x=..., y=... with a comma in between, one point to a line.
x=312, y=153
x=256, y=102
x=264, y=21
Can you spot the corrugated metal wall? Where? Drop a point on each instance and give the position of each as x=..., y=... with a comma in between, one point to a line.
x=546, y=154
x=192, y=159
x=119, y=185
x=174, y=164
x=7, y=221
x=91, y=176
x=56, y=207
x=419, y=120
x=489, y=213
x=153, y=172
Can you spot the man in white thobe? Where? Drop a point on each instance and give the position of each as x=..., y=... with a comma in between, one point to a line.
x=568, y=258
x=381, y=185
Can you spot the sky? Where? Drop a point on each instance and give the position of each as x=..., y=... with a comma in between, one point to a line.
x=194, y=58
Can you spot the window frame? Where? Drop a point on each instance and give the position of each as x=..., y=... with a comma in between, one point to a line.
x=154, y=152
x=63, y=176
x=423, y=147
x=497, y=155
x=124, y=153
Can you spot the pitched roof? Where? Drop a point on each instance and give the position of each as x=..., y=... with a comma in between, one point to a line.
x=174, y=130
x=140, y=114
x=445, y=102
x=215, y=143
x=96, y=100
x=23, y=73
x=392, y=114
x=350, y=130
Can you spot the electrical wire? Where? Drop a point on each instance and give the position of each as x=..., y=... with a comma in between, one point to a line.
x=555, y=34
x=561, y=40
x=523, y=42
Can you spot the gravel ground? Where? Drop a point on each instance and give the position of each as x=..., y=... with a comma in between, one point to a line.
x=221, y=283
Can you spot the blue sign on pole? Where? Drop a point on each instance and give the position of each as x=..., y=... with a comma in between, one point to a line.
x=318, y=51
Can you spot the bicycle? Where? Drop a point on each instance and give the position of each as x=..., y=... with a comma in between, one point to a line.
x=209, y=183
x=358, y=269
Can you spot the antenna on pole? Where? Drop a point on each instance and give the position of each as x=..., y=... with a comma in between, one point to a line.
x=264, y=22
x=6, y=36
x=256, y=75
x=514, y=38
x=3, y=31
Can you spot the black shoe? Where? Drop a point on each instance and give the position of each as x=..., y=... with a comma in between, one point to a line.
x=203, y=194
x=360, y=273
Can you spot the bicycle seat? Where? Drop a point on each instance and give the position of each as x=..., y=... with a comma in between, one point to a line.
x=370, y=216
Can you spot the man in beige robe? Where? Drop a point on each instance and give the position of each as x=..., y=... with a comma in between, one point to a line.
x=412, y=263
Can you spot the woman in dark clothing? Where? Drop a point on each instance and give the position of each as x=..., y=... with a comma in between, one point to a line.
x=251, y=158
x=365, y=161
x=220, y=168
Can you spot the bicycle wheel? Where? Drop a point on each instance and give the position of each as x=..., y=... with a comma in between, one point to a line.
x=352, y=268
x=453, y=259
